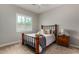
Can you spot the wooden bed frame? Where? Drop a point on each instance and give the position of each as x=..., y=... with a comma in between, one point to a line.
x=37, y=37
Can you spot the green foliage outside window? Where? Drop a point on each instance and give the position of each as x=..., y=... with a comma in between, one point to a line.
x=24, y=20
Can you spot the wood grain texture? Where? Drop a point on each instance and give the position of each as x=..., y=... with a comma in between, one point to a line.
x=63, y=40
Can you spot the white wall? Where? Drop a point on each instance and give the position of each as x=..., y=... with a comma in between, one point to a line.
x=67, y=16
x=8, y=23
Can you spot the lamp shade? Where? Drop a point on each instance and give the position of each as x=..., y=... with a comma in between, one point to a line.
x=62, y=31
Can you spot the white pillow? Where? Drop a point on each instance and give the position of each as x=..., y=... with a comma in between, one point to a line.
x=41, y=31
x=47, y=31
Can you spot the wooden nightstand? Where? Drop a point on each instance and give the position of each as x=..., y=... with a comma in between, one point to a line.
x=63, y=40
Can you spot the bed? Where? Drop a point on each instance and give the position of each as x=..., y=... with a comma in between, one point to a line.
x=33, y=40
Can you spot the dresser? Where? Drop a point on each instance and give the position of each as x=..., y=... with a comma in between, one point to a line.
x=63, y=40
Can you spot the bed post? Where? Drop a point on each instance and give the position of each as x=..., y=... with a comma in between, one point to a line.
x=22, y=38
x=41, y=26
x=37, y=45
x=56, y=31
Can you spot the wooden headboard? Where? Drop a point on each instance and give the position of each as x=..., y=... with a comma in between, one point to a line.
x=55, y=27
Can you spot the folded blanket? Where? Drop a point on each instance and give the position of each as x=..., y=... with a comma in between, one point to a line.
x=43, y=43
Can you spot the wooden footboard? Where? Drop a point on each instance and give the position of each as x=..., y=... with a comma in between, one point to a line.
x=36, y=43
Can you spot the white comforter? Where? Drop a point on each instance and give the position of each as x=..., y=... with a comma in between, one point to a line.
x=49, y=38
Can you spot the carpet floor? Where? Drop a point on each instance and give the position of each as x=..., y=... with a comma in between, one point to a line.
x=53, y=49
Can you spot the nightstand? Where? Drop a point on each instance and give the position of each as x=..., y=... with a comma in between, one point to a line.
x=63, y=40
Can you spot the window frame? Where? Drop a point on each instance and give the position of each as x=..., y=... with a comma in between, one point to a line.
x=24, y=17
x=23, y=24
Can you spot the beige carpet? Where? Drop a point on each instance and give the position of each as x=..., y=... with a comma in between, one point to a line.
x=53, y=49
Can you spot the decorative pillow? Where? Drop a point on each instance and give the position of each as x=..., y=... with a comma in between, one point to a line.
x=42, y=31
x=47, y=31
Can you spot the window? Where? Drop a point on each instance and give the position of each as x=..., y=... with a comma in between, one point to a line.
x=23, y=23
x=24, y=20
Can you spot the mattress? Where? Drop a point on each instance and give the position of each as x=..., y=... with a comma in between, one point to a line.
x=50, y=38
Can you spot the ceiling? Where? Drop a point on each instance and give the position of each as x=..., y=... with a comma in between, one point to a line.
x=38, y=8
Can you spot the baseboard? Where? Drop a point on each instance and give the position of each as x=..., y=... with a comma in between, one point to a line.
x=74, y=45
x=7, y=44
